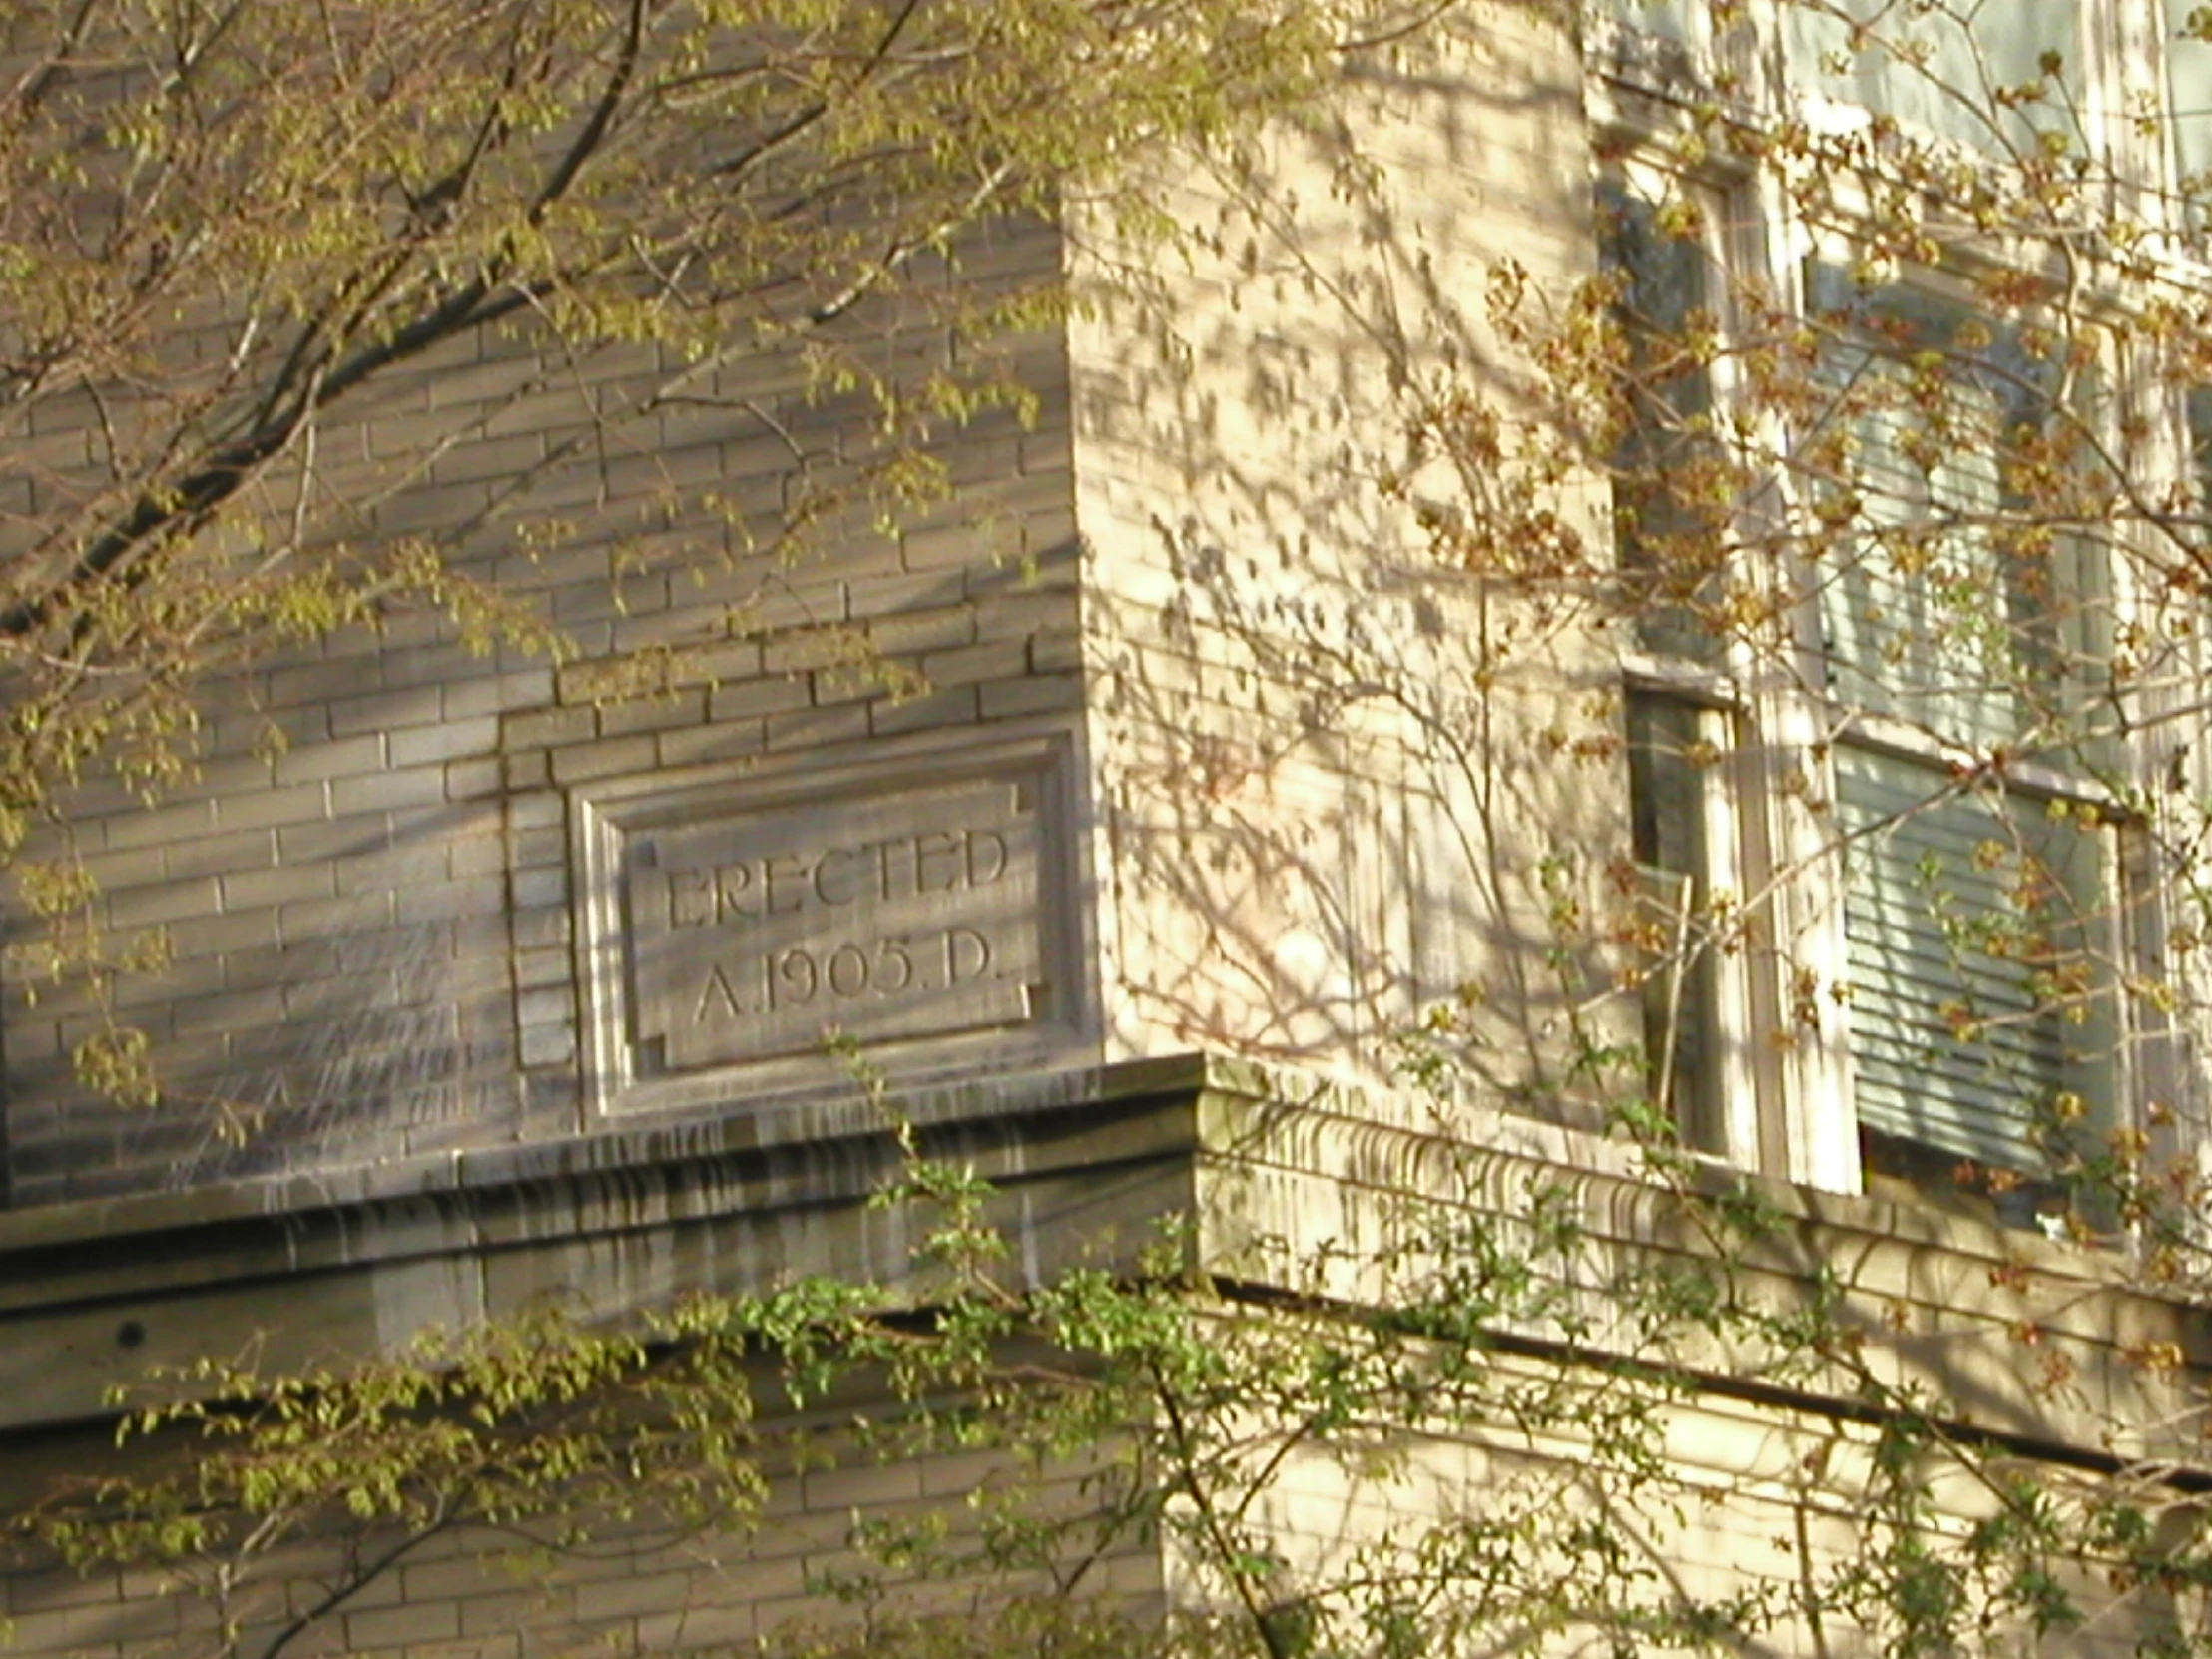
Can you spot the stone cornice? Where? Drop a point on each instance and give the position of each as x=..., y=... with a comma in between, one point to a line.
x=1277, y=1165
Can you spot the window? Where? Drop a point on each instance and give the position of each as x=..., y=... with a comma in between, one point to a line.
x=1968, y=912
x=1928, y=616
x=1684, y=833
x=1669, y=525
x=2189, y=102
x=1958, y=642
x=1680, y=710
x=1659, y=42
x=1876, y=773
x=1965, y=72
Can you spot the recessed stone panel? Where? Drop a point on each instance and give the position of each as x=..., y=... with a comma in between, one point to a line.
x=739, y=925
x=887, y=917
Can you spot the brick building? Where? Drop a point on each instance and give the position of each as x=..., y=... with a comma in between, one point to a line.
x=1124, y=809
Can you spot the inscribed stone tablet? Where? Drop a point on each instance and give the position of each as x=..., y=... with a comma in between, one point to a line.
x=887, y=917
x=729, y=922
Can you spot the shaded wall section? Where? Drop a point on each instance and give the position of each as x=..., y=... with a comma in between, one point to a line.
x=370, y=885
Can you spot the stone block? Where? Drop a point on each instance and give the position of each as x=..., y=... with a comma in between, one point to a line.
x=336, y=918
x=837, y=1491
x=816, y=728
x=543, y=728
x=44, y=1593
x=722, y=740
x=1025, y=613
x=546, y=809
x=889, y=596
x=697, y=1629
x=789, y=652
x=642, y=1593
x=446, y=740
x=603, y=758
x=491, y=694
x=916, y=631
x=1055, y=653
x=414, y=704
x=140, y=867
x=339, y=758
x=322, y=681
x=208, y=936
x=451, y=900
x=385, y=791
x=359, y=835
x=158, y=827
x=996, y=660
x=747, y=697
x=278, y=887
x=231, y=1011
x=527, y=769
x=1034, y=695
x=171, y=901
x=267, y=807
x=405, y=1628
x=499, y=1615
x=651, y=712
x=537, y=848
x=477, y=856
x=534, y=969
x=956, y=706
x=542, y=888
x=474, y=779
x=102, y=1627
x=547, y=1045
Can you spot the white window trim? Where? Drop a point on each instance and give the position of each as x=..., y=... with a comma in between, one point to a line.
x=1787, y=1105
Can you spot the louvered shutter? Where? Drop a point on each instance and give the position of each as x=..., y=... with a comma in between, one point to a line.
x=1960, y=910
x=1923, y=622
x=1961, y=914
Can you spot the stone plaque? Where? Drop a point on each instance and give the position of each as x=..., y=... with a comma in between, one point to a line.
x=732, y=926
x=751, y=933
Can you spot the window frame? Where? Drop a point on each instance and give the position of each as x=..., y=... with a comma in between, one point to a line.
x=1788, y=1105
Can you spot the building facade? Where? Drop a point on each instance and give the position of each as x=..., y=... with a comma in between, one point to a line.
x=1344, y=725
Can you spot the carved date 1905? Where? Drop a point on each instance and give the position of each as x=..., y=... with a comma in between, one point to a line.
x=751, y=935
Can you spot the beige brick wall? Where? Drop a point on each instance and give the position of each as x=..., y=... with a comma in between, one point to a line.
x=1756, y=1503
x=373, y=950
x=490, y=1593
x=1756, y=1499
x=1304, y=813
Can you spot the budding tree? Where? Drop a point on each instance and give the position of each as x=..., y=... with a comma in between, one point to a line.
x=225, y=227
x=1888, y=395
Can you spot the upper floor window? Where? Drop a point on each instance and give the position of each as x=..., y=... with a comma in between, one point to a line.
x=1672, y=489
x=1958, y=638
x=1985, y=74
x=1880, y=805
x=2075, y=97
x=2188, y=50
x=1947, y=600
x=1671, y=509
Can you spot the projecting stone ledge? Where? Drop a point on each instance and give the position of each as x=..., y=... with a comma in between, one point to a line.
x=1295, y=1183
x=313, y=1267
